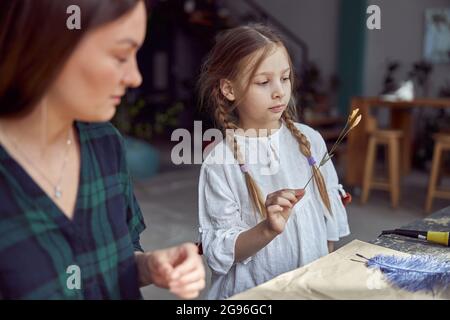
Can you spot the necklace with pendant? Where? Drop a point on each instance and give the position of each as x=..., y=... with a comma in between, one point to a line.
x=57, y=190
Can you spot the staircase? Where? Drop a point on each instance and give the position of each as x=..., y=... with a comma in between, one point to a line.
x=200, y=20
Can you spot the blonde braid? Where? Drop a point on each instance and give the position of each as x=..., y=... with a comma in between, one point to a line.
x=222, y=118
x=305, y=149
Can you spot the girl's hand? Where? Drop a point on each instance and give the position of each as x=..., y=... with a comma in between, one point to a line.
x=179, y=269
x=279, y=206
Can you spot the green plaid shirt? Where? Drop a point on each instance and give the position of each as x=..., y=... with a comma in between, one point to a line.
x=38, y=243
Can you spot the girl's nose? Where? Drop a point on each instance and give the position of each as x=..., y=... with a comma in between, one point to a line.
x=278, y=91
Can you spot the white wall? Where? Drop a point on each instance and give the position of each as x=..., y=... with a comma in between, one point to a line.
x=314, y=21
x=400, y=38
x=401, y=35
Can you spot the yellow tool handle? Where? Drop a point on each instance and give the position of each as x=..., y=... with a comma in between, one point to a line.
x=438, y=237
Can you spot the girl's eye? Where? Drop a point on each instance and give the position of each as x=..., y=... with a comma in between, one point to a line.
x=286, y=79
x=263, y=83
x=121, y=60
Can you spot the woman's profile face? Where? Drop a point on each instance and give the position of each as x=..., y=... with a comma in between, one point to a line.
x=101, y=68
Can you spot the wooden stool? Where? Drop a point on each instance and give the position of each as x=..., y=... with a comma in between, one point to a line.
x=391, y=139
x=442, y=143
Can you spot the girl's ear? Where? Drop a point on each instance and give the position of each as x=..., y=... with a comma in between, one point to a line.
x=227, y=89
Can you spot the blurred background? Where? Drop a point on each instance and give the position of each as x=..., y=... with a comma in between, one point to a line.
x=391, y=60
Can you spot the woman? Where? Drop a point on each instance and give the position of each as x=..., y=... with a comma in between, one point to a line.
x=65, y=193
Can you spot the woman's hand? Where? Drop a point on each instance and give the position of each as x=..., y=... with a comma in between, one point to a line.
x=179, y=269
x=279, y=206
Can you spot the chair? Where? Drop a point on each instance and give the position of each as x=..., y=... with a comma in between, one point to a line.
x=391, y=139
x=442, y=144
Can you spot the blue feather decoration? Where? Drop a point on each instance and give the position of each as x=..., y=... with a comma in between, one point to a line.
x=413, y=273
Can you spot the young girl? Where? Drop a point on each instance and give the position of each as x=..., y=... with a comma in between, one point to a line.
x=256, y=221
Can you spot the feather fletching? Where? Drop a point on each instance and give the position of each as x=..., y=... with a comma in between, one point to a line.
x=413, y=273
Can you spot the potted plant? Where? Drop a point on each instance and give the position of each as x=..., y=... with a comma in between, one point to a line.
x=138, y=130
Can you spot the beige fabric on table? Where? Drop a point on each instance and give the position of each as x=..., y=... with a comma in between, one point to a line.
x=335, y=276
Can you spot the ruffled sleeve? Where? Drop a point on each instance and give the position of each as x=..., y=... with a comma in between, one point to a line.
x=220, y=219
x=337, y=224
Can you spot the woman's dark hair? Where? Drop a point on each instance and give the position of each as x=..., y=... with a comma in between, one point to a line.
x=35, y=43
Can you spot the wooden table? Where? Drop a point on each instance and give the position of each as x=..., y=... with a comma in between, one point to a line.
x=300, y=283
x=438, y=221
x=401, y=119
